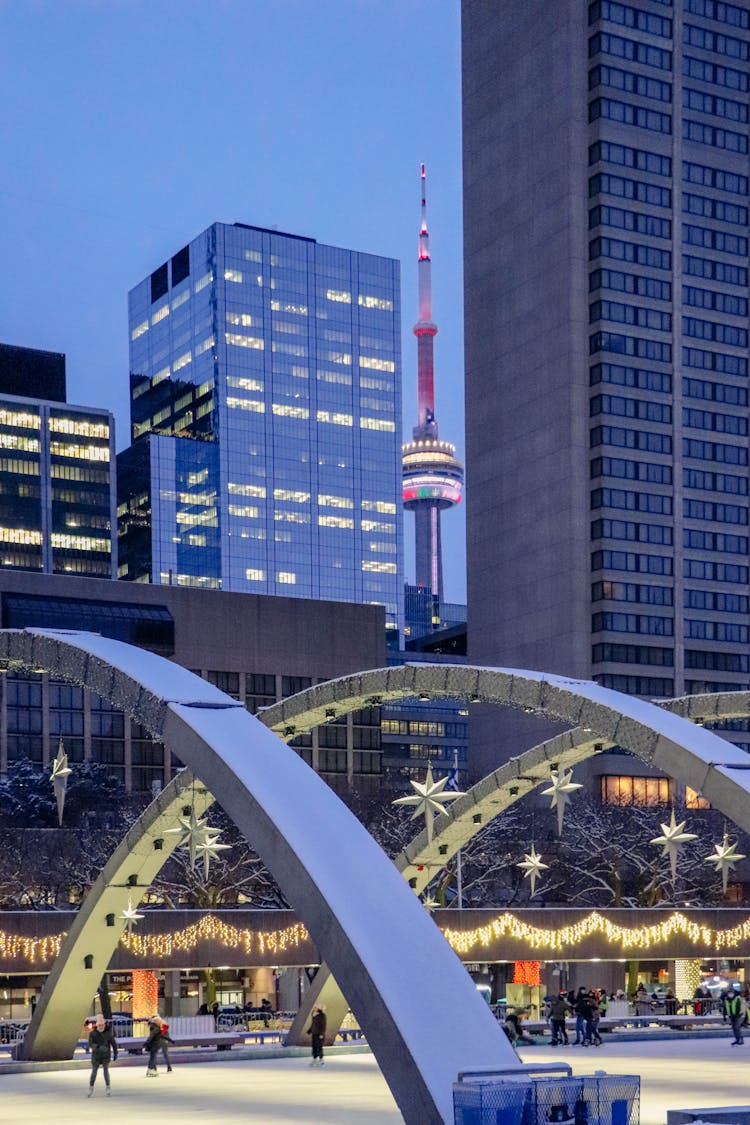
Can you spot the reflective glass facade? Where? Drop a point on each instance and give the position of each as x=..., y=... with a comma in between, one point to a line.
x=266, y=380
x=57, y=499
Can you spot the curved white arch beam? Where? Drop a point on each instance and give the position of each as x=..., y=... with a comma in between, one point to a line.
x=379, y=941
x=601, y=718
x=87, y=948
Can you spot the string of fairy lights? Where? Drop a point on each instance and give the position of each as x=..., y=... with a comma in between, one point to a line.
x=638, y=938
x=210, y=928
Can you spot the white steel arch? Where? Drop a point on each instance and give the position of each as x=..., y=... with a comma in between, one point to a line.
x=378, y=939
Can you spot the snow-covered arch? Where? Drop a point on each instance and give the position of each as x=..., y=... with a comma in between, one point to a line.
x=379, y=941
x=599, y=718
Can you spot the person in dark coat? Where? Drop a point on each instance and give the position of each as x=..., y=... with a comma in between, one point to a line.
x=103, y=1047
x=317, y=1029
x=559, y=1009
x=158, y=1038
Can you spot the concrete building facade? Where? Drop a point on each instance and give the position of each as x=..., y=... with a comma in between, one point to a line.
x=606, y=283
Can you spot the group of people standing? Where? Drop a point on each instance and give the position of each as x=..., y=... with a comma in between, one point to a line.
x=589, y=1005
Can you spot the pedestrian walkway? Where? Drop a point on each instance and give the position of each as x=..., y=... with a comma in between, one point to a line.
x=349, y=1089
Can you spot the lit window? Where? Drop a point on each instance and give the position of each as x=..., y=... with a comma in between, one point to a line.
x=20, y=419
x=244, y=383
x=286, y=577
x=180, y=299
x=379, y=567
x=160, y=314
x=377, y=424
x=340, y=357
x=255, y=575
x=248, y=511
x=340, y=296
x=382, y=548
x=299, y=372
x=79, y=542
x=20, y=535
x=206, y=518
x=80, y=452
x=162, y=374
x=17, y=441
x=382, y=506
x=693, y=799
x=139, y=330
x=232, y=275
x=368, y=302
x=336, y=521
x=243, y=319
x=252, y=404
x=205, y=345
x=290, y=411
x=376, y=364
x=291, y=494
x=182, y=361
x=202, y=282
x=334, y=418
x=199, y=477
x=81, y=428
x=253, y=256
x=257, y=490
x=379, y=525
x=642, y=791
x=241, y=341
x=327, y=501
x=298, y=310
x=291, y=517
x=197, y=540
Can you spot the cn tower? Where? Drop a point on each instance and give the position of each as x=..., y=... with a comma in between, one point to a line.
x=432, y=477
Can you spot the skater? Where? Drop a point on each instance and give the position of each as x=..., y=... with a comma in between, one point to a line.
x=736, y=1012
x=317, y=1029
x=558, y=1011
x=158, y=1038
x=103, y=1046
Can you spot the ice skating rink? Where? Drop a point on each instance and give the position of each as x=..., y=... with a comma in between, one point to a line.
x=350, y=1090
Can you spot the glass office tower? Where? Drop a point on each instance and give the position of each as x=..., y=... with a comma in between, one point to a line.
x=266, y=420
x=57, y=492
x=606, y=217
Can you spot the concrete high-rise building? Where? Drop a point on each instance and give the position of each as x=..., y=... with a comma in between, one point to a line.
x=606, y=283
x=57, y=489
x=433, y=478
x=266, y=414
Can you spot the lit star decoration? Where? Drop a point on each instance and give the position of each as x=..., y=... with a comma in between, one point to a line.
x=532, y=867
x=195, y=835
x=559, y=792
x=210, y=849
x=61, y=771
x=131, y=917
x=724, y=859
x=672, y=838
x=429, y=902
x=429, y=799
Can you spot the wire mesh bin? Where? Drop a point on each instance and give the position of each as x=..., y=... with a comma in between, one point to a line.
x=521, y=1099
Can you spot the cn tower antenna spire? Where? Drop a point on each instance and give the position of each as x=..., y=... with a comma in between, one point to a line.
x=433, y=478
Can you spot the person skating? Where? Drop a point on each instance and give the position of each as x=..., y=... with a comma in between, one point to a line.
x=103, y=1047
x=317, y=1029
x=736, y=1011
x=559, y=1009
x=157, y=1041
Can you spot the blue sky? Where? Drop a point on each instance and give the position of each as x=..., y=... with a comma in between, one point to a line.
x=130, y=125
